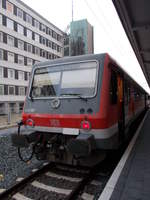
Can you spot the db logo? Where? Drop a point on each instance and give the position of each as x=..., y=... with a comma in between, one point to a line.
x=54, y=123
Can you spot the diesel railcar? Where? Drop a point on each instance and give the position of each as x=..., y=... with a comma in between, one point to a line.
x=78, y=107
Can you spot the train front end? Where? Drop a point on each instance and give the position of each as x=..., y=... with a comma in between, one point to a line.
x=61, y=108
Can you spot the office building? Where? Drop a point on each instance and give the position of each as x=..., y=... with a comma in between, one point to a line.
x=25, y=38
x=80, y=40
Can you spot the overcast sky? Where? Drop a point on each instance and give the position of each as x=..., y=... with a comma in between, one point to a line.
x=109, y=35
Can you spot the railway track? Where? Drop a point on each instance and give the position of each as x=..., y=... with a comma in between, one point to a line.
x=57, y=182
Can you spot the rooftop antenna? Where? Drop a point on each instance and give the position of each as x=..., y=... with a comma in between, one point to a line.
x=72, y=10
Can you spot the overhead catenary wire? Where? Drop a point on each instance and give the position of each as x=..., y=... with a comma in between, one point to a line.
x=104, y=27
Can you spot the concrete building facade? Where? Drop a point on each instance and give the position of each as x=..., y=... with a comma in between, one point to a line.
x=25, y=38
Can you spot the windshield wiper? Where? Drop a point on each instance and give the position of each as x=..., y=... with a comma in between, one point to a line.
x=74, y=94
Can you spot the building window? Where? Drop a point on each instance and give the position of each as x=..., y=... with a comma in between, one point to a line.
x=43, y=28
x=9, y=7
x=49, y=56
x=29, y=19
x=1, y=36
x=21, y=91
x=59, y=38
x=1, y=54
x=37, y=37
x=43, y=54
x=29, y=61
x=29, y=34
x=36, y=23
x=20, y=60
x=11, y=73
x=58, y=48
x=49, y=44
x=29, y=48
x=54, y=46
x=49, y=31
x=11, y=90
x=54, y=35
x=21, y=75
x=20, y=29
x=19, y=13
x=10, y=40
x=1, y=72
x=10, y=24
x=43, y=40
x=37, y=51
x=0, y=19
x=21, y=44
x=1, y=89
x=28, y=75
x=10, y=57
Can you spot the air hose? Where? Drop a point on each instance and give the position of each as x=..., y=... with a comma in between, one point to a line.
x=19, y=148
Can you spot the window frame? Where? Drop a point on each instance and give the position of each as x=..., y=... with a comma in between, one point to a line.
x=9, y=73
x=20, y=29
x=22, y=60
x=29, y=62
x=20, y=88
x=11, y=86
x=37, y=51
x=1, y=36
x=21, y=11
x=29, y=19
x=9, y=58
x=22, y=45
x=97, y=67
x=29, y=34
x=2, y=53
x=36, y=24
x=9, y=23
x=8, y=39
x=29, y=45
x=21, y=75
x=1, y=72
x=9, y=7
x=2, y=86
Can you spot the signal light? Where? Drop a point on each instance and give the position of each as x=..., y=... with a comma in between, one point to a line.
x=30, y=122
x=86, y=125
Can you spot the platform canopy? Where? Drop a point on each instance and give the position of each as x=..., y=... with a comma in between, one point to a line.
x=135, y=17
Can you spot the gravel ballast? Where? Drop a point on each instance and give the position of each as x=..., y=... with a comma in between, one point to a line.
x=11, y=167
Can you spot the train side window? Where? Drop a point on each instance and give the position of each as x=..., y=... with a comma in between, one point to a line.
x=127, y=92
x=113, y=88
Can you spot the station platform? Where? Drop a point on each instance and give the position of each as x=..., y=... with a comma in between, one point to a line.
x=131, y=178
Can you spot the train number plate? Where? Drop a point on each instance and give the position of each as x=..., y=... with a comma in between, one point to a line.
x=70, y=131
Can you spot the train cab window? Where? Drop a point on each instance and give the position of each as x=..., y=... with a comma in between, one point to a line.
x=65, y=81
x=113, y=87
x=45, y=84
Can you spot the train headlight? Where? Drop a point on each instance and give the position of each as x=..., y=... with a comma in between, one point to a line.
x=86, y=125
x=30, y=123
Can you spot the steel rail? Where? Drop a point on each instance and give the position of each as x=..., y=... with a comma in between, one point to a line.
x=18, y=186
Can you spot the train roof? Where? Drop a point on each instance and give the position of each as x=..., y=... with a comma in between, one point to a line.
x=72, y=59
x=100, y=56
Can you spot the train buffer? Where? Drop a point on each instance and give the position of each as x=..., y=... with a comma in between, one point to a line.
x=131, y=178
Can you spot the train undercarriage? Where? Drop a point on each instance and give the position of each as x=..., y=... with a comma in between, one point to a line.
x=54, y=147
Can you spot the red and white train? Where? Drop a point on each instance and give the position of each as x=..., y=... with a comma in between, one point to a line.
x=79, y=106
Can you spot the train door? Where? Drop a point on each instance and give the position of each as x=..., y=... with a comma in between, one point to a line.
x=121, y=118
